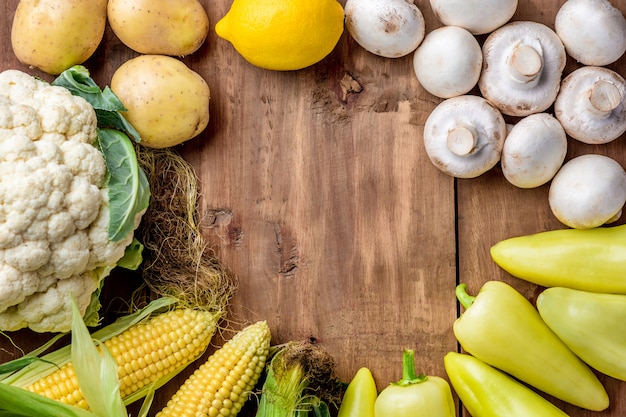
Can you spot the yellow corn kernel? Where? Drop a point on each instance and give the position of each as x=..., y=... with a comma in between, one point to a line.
x=221, y=385
x=152, y=342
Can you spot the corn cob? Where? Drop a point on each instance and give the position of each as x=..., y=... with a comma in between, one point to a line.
x=144, y=353
x=221, y=385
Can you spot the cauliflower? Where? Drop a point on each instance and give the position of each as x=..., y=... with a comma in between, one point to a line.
x=54, y=205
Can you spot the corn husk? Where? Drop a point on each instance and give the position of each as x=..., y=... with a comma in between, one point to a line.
x=96, y=371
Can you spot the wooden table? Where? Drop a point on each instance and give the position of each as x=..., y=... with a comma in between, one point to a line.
x=321, y=199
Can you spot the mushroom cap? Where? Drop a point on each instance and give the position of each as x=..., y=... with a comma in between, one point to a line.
x=388, y=28
x=588, y=191
x=593, y=31
x=523, y=63
x=533, y=151
x=590, y=105
x=448, y=62
x=464, y=135
x=477, y=16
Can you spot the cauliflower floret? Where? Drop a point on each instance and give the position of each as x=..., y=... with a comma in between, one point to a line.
x=27, y=257
x=53, y=205
x=82, y=162
x=14, y=285
x=51, y=309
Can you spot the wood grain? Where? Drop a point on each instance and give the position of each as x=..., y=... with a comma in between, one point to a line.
x=318, y=195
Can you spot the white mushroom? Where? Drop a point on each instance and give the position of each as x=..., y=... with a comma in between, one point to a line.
x=593, y=31
x=477, y=16
x=533, y=151
x=588, y=191
x=464, y=135
x=590, y=105
x=388, y=28
x=448, y=62
x=522, y=67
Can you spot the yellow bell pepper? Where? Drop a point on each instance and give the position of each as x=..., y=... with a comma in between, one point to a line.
x=583, y=259
x=488, y=392
x=415, y=395
x=592, y=325
x=502, y=328
x=360, y=396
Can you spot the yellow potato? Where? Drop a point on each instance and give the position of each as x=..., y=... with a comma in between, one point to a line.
x=54, y=35
x=164, y=27
x=167, y=102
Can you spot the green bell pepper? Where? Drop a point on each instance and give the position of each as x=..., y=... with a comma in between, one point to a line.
x=360, y=396
x=502, y=328
x=583, y=259
x=592, y=325
x=488, y=392
x=415, y=394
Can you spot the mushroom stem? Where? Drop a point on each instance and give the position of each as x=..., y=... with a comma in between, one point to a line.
x=462, y=140
x=615, y=217
x=603, y=98
x=525, y=63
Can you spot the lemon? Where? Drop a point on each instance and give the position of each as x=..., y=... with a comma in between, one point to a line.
x=282, y=34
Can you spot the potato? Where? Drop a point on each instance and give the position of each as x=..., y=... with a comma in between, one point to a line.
x=166, y=101
x=54, y=35
x=164, y=27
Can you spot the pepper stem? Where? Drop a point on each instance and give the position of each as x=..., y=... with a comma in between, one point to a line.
x=409, y=375
x=464, y=298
